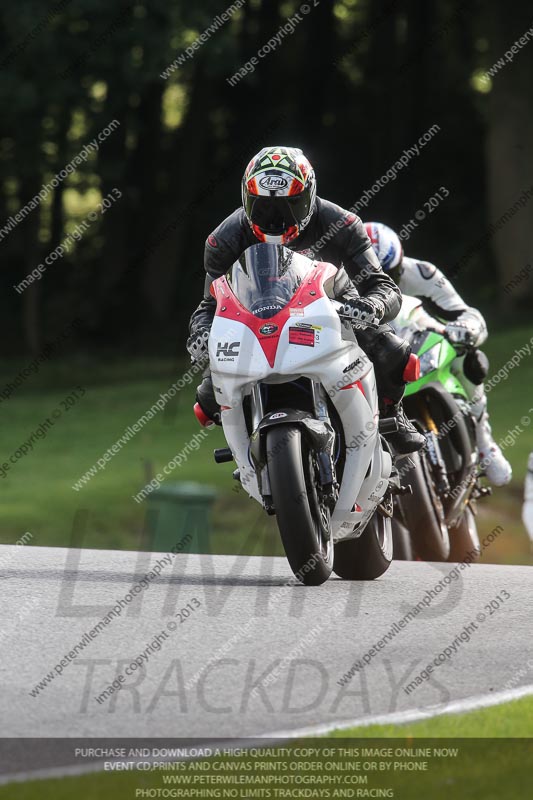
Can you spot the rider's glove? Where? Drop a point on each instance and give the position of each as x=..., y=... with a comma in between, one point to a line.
x=197, y=345
x=468, y=330
x=364, y=310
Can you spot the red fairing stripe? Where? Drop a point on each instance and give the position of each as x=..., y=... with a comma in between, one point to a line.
x=353, y=385
x=234, y=310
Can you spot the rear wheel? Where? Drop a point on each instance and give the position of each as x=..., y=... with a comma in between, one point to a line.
x=464, y=541
x=303, y=520
x=368, y=556
x=401, y=542
x=423, y=512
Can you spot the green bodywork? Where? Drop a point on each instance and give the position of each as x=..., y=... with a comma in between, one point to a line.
x=442, y=372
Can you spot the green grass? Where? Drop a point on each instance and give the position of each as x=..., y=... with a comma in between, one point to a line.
x=37, y=494
x=37, y=491
x=508, y=720
x=484, y=769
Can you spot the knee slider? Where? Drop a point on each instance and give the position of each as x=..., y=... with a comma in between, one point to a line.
x=205, y=397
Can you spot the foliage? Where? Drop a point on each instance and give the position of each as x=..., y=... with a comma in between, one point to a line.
x=354, y=84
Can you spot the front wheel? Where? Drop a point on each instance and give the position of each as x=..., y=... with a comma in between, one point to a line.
x=303, y=520
x=368, y=556
x=423, y=512
x=464, y=541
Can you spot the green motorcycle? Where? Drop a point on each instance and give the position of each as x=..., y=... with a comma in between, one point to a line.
x=438, y=519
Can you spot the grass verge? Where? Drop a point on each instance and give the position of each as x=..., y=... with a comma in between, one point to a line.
x=38, y=494
x=483, y=768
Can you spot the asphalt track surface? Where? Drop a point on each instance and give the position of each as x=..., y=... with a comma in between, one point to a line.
x=247, y=622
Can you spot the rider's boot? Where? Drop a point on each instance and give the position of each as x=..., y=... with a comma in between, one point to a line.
x=390, y=356
x=406, y=439
x=496, y=467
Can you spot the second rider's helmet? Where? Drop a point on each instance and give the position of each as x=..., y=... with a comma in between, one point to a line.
x=278, y=194
x=388, y=248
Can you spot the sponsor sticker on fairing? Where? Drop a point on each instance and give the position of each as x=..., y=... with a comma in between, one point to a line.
x=268, y=329
x=302, y=336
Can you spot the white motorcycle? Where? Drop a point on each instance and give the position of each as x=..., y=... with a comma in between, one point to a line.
x=299, y=411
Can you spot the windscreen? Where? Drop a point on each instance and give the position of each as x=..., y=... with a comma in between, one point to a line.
x=266, y=277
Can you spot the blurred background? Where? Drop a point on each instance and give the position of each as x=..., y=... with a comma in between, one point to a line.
x=355, y=84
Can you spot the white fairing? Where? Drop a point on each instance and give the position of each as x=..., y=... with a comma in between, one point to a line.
x=412, y=318
x=238, y=362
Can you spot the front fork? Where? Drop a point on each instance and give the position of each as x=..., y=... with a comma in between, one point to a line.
x=327, y=487
x=257, y=415
x=442, y=484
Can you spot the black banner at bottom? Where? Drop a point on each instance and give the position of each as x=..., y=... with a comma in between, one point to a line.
x=261, y=768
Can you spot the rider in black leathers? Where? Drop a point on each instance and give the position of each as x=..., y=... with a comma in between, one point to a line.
x=321, y=230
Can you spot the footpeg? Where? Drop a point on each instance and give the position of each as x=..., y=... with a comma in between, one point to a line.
x=268, y=505
x=405, y=489
x=388, y=425
x=397, y=489
x=222, y=455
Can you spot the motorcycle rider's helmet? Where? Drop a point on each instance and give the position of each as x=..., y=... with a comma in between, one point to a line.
x=278, y=194
x=387, y=247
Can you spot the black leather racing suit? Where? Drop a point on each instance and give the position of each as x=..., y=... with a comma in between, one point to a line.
x=338, y=237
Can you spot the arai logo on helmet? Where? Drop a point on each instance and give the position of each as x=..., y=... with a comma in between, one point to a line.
x=278, y=415
x=273, y=182
x=268, y=330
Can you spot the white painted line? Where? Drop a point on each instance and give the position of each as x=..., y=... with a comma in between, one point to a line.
x=396, y=718
x=413, y=715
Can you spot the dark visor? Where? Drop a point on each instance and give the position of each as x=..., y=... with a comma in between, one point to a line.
x=274, y=215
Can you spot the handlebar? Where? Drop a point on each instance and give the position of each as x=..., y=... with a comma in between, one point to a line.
x=459, y=346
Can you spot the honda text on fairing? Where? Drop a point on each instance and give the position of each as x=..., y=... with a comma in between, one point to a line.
x=299, y=410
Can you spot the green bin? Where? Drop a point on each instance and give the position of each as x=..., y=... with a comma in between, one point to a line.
x=179, y=516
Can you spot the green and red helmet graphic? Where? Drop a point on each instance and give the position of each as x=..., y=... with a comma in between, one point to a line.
x=279, y=193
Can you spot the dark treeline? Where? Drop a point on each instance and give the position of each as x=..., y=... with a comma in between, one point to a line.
x=354, y=84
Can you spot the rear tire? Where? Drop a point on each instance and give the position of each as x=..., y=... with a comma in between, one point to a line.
x=464, y=541
x=402, y=548
x=368, y=556
x=303, y=522
x=423, y=513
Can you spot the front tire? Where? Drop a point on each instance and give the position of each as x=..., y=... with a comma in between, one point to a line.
x=423, y=513
x=368, y=556
x=303, y=521
x=464, y=541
